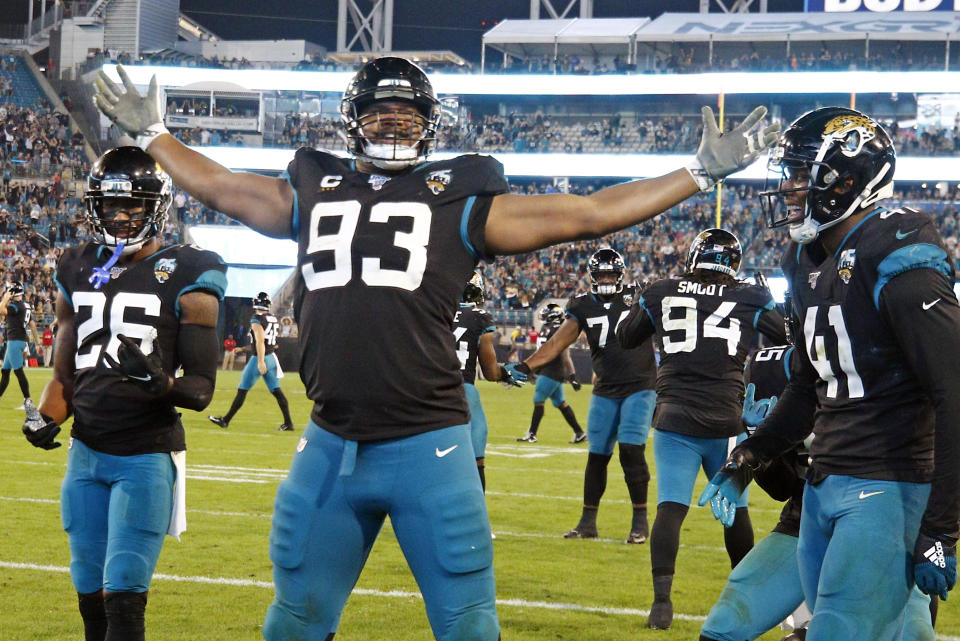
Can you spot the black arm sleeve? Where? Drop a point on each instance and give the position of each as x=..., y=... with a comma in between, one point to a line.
x=198, y=354
x=635, y=328
x=792, y=418
x=771, y=324
x=921, y=308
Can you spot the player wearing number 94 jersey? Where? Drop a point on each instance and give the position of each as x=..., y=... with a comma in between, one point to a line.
x=386, y=242
x=705, y=321
x=130, y=313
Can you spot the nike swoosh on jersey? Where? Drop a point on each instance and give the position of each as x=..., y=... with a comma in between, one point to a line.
x=927, y=306
x=901, y=235
x=864, y=495
x=442, y=453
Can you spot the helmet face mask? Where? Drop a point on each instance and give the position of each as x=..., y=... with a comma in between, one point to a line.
x=473, y=292
x=828, y=165
x=127, y=198
x=606, y=261
x=391, y=114
x=715, y=250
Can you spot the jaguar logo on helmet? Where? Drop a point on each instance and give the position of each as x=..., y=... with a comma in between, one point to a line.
x=853, y=132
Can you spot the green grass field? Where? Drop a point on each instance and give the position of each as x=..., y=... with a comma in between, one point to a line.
x=215, y=585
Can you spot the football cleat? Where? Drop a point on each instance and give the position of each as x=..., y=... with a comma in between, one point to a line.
x=579, y=437
x=637, y=537
x=219, y=421
x=286, y=427
x=529, y=437
x=661, y=615
x=582, y=532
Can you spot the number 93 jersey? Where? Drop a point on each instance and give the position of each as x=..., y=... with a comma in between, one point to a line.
x=874, y=419
x=111, y=414
x=383, y=261
x=704, y=331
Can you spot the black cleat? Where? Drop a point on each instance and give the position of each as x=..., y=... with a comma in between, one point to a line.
x=661, y=615
x=579, y=437
x=582, y=532
x=637, y=536
x=286, y=427
x=218, y=420
x=529, y=437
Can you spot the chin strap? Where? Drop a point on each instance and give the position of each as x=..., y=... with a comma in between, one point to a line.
x=101, y=275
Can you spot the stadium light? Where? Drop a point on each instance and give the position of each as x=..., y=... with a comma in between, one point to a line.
x=911, y=168
x=790, y=82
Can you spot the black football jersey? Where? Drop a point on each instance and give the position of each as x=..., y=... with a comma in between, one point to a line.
x=620, y=372
x=383, y=261
x=16, y=320
x=469, y=325
x=271, y=331
x=141, y=299
x=769, y=371
x=704, y=332
x=554, y=369
x=874, y=419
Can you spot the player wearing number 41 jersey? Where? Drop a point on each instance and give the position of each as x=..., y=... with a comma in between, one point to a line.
x=264, y=330
x=705, y=321
x=387, y=241
x=877, y=381
x=130, y=313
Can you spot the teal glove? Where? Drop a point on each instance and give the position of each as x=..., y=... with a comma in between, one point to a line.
x=935, y=564
x=517, y=373
x=755, y=411
x=721, y=154
x=726, y=486
x=508, y=377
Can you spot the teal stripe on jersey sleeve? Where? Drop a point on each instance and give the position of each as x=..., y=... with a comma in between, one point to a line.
x=464, y=227
x=918, y=256
x=295, y=219
x=487, y=330
x=63, y=290
x=643, y=305
x=766, y=308
x=212, y=280
x=255, y=320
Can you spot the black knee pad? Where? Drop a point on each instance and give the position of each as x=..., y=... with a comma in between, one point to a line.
x=634, y=462
x=125, y=615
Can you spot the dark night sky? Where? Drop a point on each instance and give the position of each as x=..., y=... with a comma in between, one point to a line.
x=418, y=24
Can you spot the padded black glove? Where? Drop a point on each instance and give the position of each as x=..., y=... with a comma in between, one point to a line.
x=146, y=370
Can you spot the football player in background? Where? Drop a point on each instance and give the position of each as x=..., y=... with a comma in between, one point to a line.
x=264, y=330
x=386, y=243
x=764, y=587
x=473, y=334
x=550, y=379
x=15, y=313
x=130, y=312
x=876, y=381
x=705, y=322
x=623, y=398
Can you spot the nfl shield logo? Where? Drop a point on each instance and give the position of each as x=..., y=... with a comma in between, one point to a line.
x=812, y=279
x=377, y=181
x=164, y=268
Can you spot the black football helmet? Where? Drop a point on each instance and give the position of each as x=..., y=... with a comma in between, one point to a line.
x=604, y=261
x=262, y=302
x=125, y=180
x=715, y=249
x=551, y=314
x=473, y=292
x=840, y=158
x=408, y=139
x=15, y=288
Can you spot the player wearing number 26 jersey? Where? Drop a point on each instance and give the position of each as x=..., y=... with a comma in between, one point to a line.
x=130, y=313
x=705, y=321
x=262, y=361
x=877, y=381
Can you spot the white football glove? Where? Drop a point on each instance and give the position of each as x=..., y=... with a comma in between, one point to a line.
x=136, y=115
x=721, y=154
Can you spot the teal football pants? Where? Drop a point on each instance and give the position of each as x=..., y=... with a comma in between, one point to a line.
x=478, y=420
x=619, y=420
x=330, y=508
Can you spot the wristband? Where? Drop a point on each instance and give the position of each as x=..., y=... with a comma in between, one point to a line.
x=148, y=135
x=700, y=175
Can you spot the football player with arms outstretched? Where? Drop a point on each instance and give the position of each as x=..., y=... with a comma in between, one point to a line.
x=386, y=242
x=705, y=322
x=264, y=331
x=622, y=402
x=550, y=379
x=876, y=381
x=130, y=313
x=473, y=334
x=15, y=313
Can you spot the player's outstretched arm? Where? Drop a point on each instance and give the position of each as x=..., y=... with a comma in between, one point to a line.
x=635, y=328
x=487, y=357
x=260, y=202
x=519, y=224
x=561, y=340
